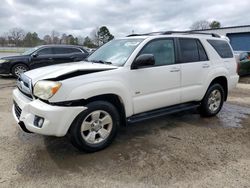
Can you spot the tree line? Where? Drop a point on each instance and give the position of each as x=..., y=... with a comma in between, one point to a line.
x=17, y=37
x=204, y=24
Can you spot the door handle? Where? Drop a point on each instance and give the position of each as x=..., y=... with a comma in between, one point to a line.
x=175, y=70
x=205, y=66
x=50, y=58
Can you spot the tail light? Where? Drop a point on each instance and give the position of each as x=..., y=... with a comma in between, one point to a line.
x=238, y=68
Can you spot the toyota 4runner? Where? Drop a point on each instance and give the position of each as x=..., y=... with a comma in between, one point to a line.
x=125, y=81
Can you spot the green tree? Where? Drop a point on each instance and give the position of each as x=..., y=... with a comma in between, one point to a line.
x=215, y=24
x=76, y=41
x=103, y=35
x=31, y=39
x=89, y=43
x=71, y=40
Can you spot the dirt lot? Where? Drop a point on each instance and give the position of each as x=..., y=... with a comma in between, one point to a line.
x=181, y=150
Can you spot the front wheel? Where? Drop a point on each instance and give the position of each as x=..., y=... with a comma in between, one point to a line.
x=213, y=101
x=95, y=128
x=18, y=69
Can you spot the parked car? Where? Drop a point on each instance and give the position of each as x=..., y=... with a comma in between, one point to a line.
x=125, y=81
x=41, y=56
x=243, y=62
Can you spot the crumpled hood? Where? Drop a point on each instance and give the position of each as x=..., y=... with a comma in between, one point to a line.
x=61, y=70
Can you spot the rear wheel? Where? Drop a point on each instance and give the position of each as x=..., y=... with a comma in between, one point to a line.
x=95, y=128
x=18, y=69
x=213, y=101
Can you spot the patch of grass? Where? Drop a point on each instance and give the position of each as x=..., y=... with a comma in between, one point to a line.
x=11, y=51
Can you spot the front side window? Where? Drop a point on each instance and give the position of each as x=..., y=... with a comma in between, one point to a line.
x=116, y=51
x=30, y=51
x=45, y=51
x=163, y=51
x=222, y=48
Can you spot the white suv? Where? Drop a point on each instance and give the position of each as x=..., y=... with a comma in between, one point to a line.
x=125, y=81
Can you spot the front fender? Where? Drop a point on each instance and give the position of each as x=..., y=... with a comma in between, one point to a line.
x=101, y=88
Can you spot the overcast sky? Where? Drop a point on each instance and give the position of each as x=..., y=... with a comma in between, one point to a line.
x=80, y=17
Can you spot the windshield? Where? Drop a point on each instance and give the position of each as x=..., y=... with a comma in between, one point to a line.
x=30, y=51
x=116, y=51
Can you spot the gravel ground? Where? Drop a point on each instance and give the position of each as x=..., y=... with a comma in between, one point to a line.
x=181, y=150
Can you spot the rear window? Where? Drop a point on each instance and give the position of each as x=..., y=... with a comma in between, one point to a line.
x=222, y=48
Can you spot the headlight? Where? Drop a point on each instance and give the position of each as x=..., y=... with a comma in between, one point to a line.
x=46, y=89
x=3, y=60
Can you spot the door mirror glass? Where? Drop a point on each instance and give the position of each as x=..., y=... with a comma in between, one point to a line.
x=144, y=60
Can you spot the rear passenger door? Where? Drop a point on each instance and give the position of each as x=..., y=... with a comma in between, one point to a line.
x=195, y=65
x=62, y=55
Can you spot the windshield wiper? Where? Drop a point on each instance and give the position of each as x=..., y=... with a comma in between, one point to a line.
x=102, y=62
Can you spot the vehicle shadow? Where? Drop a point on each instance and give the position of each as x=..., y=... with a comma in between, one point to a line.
x=7, y=77
x=133, y=138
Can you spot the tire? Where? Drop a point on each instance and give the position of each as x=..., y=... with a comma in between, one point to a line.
x=213, y=101
x=89, y=132
x=19, y=69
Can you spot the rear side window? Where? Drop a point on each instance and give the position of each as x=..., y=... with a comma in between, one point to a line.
x=75, y=50
x=61, y=50
x=189, y=50
x=222, y=48
x=202, y=53
x=192, y=50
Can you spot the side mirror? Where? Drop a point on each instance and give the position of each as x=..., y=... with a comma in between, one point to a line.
x=143, y=61
x=34, y=55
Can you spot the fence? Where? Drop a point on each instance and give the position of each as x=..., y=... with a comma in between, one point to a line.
x=13, y=49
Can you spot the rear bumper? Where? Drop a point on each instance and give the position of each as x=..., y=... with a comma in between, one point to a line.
x=233, y=81
x=57, y=119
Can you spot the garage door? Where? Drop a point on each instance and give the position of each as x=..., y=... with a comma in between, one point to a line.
x=240, y=41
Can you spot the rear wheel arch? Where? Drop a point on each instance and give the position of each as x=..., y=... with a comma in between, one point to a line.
x=222, y=80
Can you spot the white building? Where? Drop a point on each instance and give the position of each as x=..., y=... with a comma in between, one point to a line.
x=239, y=36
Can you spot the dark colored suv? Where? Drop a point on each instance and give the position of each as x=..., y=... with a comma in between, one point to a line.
x=41, y=56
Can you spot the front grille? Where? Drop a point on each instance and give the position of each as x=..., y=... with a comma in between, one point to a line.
x=18, y=110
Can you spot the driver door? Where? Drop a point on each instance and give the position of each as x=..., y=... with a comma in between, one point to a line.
x=43, y=57
x=157, y=86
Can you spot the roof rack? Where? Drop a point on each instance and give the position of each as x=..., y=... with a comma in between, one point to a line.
x=175, y=32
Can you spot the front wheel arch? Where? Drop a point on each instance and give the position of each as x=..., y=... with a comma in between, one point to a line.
x=16, y=64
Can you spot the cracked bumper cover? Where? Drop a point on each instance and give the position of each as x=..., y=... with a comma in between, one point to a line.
x=57, y=119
